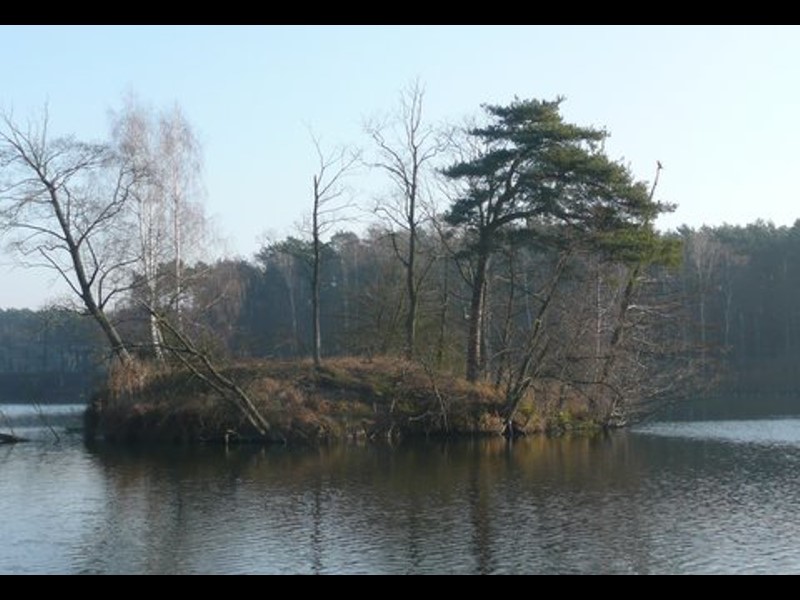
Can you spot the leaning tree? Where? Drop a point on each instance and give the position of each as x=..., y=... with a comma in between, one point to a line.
x=63, y=206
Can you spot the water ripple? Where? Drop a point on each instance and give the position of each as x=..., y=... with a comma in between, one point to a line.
x=702, y=497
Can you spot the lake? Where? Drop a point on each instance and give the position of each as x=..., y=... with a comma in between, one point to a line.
x=710, y=496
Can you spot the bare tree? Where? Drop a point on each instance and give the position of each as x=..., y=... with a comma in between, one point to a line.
x=405, y=148
x=180, y=164
x=534, y=347
x=63, y=206
x=169, y=218
x=133, y=136
x=326, y=212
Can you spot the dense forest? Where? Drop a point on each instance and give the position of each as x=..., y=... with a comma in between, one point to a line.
x=736, y=293
x=49, y=355
x=512, y=251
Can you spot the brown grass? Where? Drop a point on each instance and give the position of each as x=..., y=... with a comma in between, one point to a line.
x=348, y=398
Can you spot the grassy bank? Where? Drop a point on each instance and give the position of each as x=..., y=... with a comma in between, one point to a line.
x=348, y=398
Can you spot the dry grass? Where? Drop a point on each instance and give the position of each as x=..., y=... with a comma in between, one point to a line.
x=348, y=398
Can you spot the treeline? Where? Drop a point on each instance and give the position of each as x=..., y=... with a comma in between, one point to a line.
x=743, y=283
x=51, y=355
x=734, y=301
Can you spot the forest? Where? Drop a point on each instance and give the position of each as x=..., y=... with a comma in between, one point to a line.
x=51, y=355
x=511, y=251
x=735, y=288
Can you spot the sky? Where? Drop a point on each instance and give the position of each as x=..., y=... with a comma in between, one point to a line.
x=719, y=106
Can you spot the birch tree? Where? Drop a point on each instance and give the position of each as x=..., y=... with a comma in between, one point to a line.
x=165, y=204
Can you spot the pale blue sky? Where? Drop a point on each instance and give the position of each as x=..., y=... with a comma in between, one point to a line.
x=718, y=106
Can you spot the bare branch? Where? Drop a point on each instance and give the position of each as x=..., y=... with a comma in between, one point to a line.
x=202, y=367
x=55, y=204
x=405, y=149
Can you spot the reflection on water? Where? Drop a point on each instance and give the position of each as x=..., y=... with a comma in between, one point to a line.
x=663, y=499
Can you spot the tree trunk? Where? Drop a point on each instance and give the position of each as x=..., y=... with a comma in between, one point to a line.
x=156, y=337
x=616, y=414
x=86, y=294
x=443, y=317
x=117, y=345
x=178, y=257
x=207, y=372
x=413, y=292
x=476, y=316
x=530, y=362
x=113, y=336
x=617, y=335
x=411, y=283
x=290, y=286
x=315, y=283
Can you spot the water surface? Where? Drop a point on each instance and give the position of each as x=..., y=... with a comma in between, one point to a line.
x=671, y=497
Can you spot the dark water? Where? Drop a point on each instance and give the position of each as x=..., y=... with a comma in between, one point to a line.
x=679, y=497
